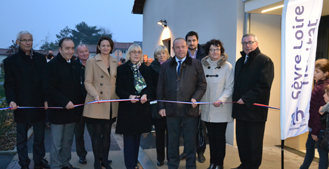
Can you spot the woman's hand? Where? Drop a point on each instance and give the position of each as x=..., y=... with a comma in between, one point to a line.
x=97, y=98
x=217, y=103
x=321, y=111
x=144, y=98
x=134, y=97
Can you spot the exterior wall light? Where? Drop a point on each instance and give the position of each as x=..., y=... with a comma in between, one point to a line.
x=162, y=23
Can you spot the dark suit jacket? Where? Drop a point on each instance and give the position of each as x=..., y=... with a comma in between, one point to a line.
x=191, y=83
x=23, y=85
x=201, y=53
x=133, y=118
x=252, y=83
x=61, y=84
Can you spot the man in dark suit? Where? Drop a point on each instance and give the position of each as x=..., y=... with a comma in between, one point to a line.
x=82, y=52
x=23, y=87
x=196, y=51
x=181, y=78
x=254, y=73
x=62, y=87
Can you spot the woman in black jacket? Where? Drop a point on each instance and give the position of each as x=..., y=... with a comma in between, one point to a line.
x=161, y=55
x=134, y=118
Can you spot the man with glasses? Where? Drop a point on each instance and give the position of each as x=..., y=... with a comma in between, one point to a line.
x=23, y=87
x=254, y=73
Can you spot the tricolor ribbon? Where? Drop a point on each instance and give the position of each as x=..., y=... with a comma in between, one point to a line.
x=123, y=100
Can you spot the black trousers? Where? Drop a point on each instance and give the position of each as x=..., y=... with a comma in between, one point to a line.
x=161, y=137
x=188, y=126
x=217, y=142
x=131, y=149
x=38, y=142
x=249, y=137
x=79, y=131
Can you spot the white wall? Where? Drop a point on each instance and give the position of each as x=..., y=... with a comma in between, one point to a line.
x=219, y=19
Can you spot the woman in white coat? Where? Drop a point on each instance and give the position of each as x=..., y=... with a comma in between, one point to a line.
x=220, y=78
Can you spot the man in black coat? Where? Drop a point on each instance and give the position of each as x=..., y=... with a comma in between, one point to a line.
x=82, y=52
x=181, y=78
x=254, y=73
x=196, y=51
x=23, y=87
x=62, y=87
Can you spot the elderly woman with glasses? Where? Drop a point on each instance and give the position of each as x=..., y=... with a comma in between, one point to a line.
x=134, y=117
x=219, y=76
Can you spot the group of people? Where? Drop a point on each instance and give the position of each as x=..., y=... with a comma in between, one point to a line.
x=194, y=74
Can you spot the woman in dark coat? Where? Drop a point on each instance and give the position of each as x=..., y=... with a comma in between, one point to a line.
x=134, y=118
x=161, y=55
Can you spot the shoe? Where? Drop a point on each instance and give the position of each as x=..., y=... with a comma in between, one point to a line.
x=110, y=161
x=83, y=160
x=219, y=167
x=70, y=167
x=24, y=167
x=42, y=165
x=182, y=156
x=212, y=166
x=160, y=163
x=201, y=158
x=237, y=168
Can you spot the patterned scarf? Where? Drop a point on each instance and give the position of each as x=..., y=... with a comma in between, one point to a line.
x=139, y=81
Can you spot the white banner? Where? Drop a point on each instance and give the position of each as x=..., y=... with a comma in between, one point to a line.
x=299, y=33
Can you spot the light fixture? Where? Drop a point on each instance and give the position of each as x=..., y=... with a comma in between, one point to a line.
x=163, y=23
x=271, y=9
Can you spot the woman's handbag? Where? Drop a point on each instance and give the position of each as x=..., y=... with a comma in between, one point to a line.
x=324, y=140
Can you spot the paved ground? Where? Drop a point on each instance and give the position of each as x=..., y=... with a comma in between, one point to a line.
x=147, y=155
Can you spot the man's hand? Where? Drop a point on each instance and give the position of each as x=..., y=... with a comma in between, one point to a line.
x=314, y=137
x=321, y=111
x=134, y=97
x=162, y=112
x=193, y=101
x=46, y=105
x=144, y=98
x=217, y=103
x=240, y=101
x=69, y=105
x=13, y=105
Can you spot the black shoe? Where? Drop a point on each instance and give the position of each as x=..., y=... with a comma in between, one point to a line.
x=219, y=167
x=182, y=156
x=201, y=158
x=42, y=165
x=160, y=163
x=70, y=167
x=24, y=167
x=212, y=166
x=83, y=160
x=110, y=161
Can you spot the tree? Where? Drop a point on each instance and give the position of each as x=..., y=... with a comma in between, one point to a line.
x=64, y=33
x=46, y=46
x=13, y=48
x=85, y=34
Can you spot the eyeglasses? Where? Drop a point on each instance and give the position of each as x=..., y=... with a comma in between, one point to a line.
x=248, y=43
x=136, y=52
x=26, y=40
x=214, y=50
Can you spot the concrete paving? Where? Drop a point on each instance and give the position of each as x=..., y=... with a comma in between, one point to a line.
x=147, y=156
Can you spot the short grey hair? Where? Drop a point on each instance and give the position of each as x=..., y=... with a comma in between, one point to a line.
x=76, y=48
x=18, y=36
x=249, y=34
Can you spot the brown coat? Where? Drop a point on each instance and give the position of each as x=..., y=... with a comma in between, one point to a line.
x=98, y=82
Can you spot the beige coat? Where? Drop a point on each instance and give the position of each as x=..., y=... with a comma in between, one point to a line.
x=220, y=80
x=98, y=82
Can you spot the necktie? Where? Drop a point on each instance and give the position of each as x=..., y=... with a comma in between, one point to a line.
x=178, y=69
x=246, y=59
